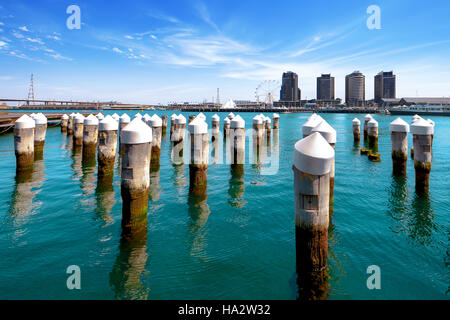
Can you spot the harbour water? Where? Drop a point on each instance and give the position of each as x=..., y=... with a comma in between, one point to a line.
x=240, y=242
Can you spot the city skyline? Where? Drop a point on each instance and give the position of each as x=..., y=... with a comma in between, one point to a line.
x=145, y=52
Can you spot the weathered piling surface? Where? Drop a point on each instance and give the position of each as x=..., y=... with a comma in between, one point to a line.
x=267, y=126
x=310, y=124
x=226, y=128
x=313, y=157
x=372, y=134
x=422, y=131
x=107, y=147
x=70, y=125
x=414, y=119
x=276, y=121
x=191, y=118
x=356, y=126
x=40, y=131
x=135, y=176
x=399, y=139
x=172, y=124
x=123, y=122
x=24, y=143
x=90, y=139
x=64, y=122
x=156, y=125
x=147, y=119
x=237, y=139
x=367, y=118
x=329, y=134
x=164, y=119
x=78, y=126
x=432, y=136
x=199, y=153
x=177, y=139
x=257, y=137
x=215, y=129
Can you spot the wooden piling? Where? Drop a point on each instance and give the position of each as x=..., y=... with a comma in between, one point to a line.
x=399, y=139
x=78, y=124
x=24, y=143
x=199, y=153
x=356, y=126
x=422, y=131
x=107, y=148
x=367, y=118
x=64, y=122
x=90, y=139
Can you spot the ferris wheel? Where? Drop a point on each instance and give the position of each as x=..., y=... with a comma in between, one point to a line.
x=267, y=91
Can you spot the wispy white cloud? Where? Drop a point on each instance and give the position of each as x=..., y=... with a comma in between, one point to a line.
x=17, y=35
x=3, y=44
x=54, y=37
x=35, y=40
x=203, y=12
x=5, y=78
x=153, y=36
x=58, y=56
x=24, y=29
x=162, y=16
x=117, y=50
x=128, y=37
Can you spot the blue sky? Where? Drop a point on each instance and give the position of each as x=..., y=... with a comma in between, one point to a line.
x=165, y=51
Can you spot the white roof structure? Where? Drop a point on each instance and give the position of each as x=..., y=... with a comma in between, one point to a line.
x=229, y=104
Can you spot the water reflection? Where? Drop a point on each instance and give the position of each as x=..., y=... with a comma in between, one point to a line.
x=155, y=188
x=179, y=178
x=236, y=187
x=105, y=197
x=28, y=184
x=199, y=211
x=130, y=266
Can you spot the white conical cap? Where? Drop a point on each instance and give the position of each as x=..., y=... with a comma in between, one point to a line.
x=24, y=122
x=39, y=118
x=156, y=121
x=326, y=131
x=201, y=116
x=108, y=124
x=368, y=117
x=227, y=120
x=180, y=119
x=79, y=118
x=231, y=115
x=372, y=123
x=267, y=120
x=310, y=124
x=91, y=120
x=215, y=118
x=125, y=118
x=136, y=132
x=258, y=119
x=356, y=121
x=422, y=127
x=198, y=126
x=431, y=122
x=237, y=122
x=275, y=115
x=311, y=117
x=64, y=116
x=146, y=117
x=138, y=115
x=313, y=155
x=100, y=116
x=399, y=125
x=173, y=116
x=72, y=115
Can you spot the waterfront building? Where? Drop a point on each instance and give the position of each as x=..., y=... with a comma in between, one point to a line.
x=355, y=91
x=290, y=94
x=325, y=87
x=384, y=86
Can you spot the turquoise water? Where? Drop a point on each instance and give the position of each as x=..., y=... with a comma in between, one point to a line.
x=240, y=244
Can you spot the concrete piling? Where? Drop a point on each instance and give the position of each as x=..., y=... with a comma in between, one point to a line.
x=107, y=147
x=138, y=115
x=329, y=134
x=124, y=121
x=100, y=116
x=399, y=139
x=367, y=118
x=310, y=124
x=156, y=125
x=313, y=158
x=147, y=119
x=432, y=136
x=226, y=127
x=40, y=131
x=78, y=125
x=70, y=125
x=276, y=121
x=135, y=175
x=191, y=118
x=172, y=124
x=372, y=134
x=164, y=120
x=414, y=119
x=199, y=153
x=267, y=125
x=116, y=117
x=177, y=139
x=231, y=116
x=90, y=139
x=64, y=122
x=237, y=139
x=215, y=129
x=422, y=131
x=356, y=126
x=24, y=143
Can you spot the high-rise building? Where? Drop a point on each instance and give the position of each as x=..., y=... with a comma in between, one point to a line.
x=355, y=91
x=289, y=87
x=325, y=87
x=384, y=86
